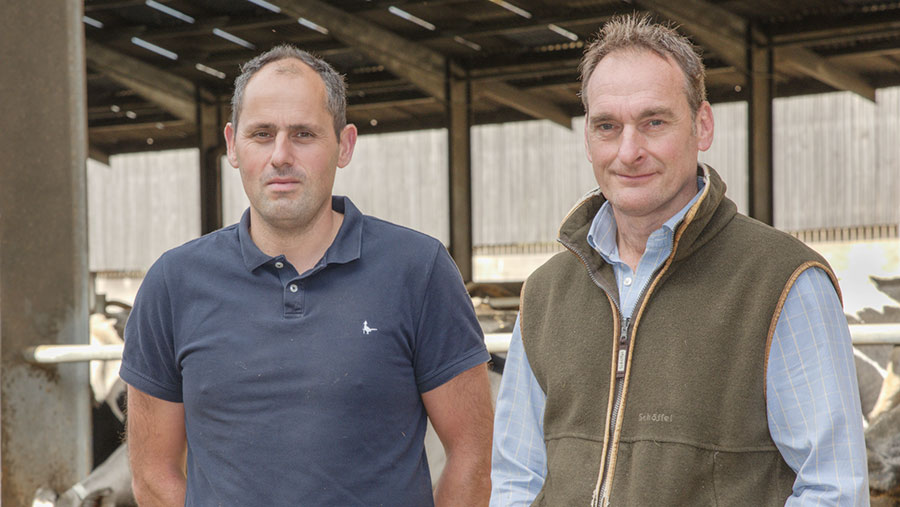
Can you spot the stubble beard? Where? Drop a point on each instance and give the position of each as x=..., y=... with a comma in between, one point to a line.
x=290, y=211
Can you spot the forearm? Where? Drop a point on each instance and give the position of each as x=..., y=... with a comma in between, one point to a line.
x=160, y=488
x=461, y=413
x=465, y=480
x=157, y=450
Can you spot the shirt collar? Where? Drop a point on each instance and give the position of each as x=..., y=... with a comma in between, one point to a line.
x=602, y=234
x=346, y=246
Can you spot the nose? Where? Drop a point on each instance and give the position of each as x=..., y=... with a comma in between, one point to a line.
x=631, y=146
x=281, y=153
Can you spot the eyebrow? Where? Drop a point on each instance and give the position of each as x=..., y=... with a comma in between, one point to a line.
x=269, y=126
x=647, y=113
x=657, y=111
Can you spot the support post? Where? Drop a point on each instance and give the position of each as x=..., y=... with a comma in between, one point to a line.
x=460, y=161
x=45, y=410
x=759, y=123
x=211, y=144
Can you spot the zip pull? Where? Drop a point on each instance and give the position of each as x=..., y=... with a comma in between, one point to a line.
x=623, y=350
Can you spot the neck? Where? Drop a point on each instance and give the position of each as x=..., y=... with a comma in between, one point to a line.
x=303, y=245
x=631, y=237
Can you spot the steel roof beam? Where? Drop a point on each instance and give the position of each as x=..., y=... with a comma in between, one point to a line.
x=424, y=67
x=813, y=65
x=122, y=128
x=175, y=94
x=523, y=101
x=421, y=66
x=712, y=26
x=99, y=154
x=203, y=26
x=725, y=32
x=876, y=23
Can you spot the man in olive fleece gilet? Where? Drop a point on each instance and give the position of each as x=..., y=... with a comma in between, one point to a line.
x=657, y=395
x=699, y=366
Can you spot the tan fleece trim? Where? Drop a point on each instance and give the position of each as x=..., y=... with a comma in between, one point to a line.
x=522, y=305
x=780, y=306
x=620, y=417
x=586, y=197
x=617, y=325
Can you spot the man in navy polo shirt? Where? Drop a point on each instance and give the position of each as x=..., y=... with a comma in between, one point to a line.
x=291, y=359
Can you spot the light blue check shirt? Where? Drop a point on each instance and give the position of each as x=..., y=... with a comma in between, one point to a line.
x=812, y=398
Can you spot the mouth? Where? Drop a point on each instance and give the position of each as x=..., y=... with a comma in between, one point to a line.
x=282, y=184
x=634, y=178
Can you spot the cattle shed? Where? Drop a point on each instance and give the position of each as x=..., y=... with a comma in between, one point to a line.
x=107, y=77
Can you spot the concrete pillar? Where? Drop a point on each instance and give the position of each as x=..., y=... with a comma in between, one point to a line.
x=460, y=160
x=45, y=411
x=759, y=123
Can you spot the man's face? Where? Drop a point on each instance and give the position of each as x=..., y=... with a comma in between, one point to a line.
x=640, y=136
x=285, y=145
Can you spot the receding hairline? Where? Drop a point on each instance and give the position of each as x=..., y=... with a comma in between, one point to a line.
x=639, y=31
x=289, y=66
x=639, y=50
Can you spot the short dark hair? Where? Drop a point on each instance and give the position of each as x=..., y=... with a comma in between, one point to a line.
x=335, y=88
x=639, y=32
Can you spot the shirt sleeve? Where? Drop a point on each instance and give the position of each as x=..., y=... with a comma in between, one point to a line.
x=519, y=461
x=813, y=401
x=149, y=358
x=449, y=339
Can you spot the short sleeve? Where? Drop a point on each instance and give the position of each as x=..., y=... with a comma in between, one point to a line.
x=149, y=358
x=448, y=339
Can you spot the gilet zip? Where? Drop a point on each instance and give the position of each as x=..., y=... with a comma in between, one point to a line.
x=621, y=352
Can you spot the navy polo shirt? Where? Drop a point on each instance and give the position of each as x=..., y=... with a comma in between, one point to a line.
x=304, y=388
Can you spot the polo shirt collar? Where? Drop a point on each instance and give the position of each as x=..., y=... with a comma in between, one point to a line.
x=345, y=248
x=347, y=245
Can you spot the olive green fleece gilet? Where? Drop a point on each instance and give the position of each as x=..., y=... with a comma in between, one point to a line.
x=693, y=427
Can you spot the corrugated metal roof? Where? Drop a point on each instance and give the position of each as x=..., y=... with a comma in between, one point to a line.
x=510, y=41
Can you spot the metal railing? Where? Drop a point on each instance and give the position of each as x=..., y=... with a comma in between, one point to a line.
x=861, y=334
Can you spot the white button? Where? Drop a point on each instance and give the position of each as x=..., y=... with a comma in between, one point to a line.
x=627, y=281
x=279, y=264
x=293, y=287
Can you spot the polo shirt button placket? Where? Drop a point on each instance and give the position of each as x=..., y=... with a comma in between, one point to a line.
x=293, y=299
